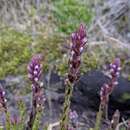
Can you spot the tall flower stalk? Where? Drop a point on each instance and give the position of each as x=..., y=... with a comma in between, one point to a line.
x=107, y=89
x=34, y=74
x=79, y=39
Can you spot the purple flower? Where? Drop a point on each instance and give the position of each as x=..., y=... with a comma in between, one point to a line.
x=34, y=74
x=73, y=116
x=107, y=88
x=2, y=99
x=115, y=69
x=79, y=39
x=40, y=98
x=70, y=128
x=114, y=74
x=104, y=94
x=35, y=68
x=14, y=119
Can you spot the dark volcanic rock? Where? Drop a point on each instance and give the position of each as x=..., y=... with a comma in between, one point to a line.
x=85, y=96
x=86, y=93
x=89, y=87
x=2, y=82
x=53, y=78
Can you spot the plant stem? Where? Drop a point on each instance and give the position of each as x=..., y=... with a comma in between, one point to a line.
x=65, y=115
x=7, y=121
x=115, y=119
x=37, y=121
x=32, y=116
x=98, y=118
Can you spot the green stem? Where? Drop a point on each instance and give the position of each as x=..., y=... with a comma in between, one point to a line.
x=37, y=121
x=65, y=116
x=98, y=119
x=14, y=127
x=32, y=116
x=7, y=121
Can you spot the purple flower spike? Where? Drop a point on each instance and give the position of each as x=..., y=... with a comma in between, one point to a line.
x=79, y=39
x=34, y=73
x=115, y=68
x=35, y=68
x=114, y=73
x=2, y=99
x=38, y=99
x=107, y=88
x=104, y=94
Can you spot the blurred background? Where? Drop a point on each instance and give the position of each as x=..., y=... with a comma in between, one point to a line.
x=28, y=27
x=31, y=26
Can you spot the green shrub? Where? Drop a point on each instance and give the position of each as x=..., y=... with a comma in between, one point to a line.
x=14, y=51
x=17, y=48
x=69, y=13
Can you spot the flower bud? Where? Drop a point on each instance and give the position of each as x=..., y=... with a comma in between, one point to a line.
x=79, y=39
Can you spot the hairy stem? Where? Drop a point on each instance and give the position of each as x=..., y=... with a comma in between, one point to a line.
x=98, y=118
x=65, y=115
x=7, y=121
x=32, y=116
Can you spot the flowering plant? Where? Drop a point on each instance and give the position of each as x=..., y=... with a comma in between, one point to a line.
x=69, y=118
x=79, y=39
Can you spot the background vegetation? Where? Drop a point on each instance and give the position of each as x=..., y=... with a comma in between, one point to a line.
x=17, y=46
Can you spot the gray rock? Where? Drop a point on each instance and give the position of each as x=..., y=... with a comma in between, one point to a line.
x=85, y=96
x=89, y=86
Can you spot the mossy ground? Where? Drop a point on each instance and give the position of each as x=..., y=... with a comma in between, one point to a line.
x=16, y=49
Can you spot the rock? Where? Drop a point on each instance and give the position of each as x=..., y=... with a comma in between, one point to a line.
x=14, y=86
x=85, y=96
x=54, y=82
x=15, y=82
x=86, y=93
x=53, y=78
x=2, y=82
x=89, y=87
